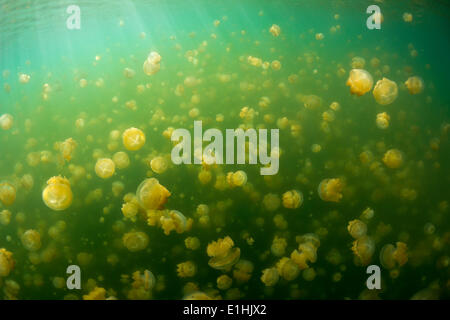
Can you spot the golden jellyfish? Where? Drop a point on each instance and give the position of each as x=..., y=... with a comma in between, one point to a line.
x=358, y=63
x=96, y=294
x=382, y=120
x=224, y=282
x=357, y=228
x=391, y=256
x=243, y=270
x=306, y=253
x=271, y=202
x=6, y=121
x=133, y=139
x=105, y=168
x=24, y=78
x=330, y=190
x=278, y=246
x=31, y=240
x=192, y=243
x=320, y=36
x=186, y=269
x=237, y=179
x=275, y=30
x=393, y=158
x=292, y=199
x=287, y=269
x=407, y=17
x=159, y=164
x=385, y=91
x=275, y=65
x=67, y=148
x=174, y=220
x=364, y=248
x=270, y=277
x=198, y=295
x=360, y=82
x=414, y=84
x=135, y=241
x=57, y=195
x=5, y=217
x=7, y=193
x=83, y=83
x=121, y=160
x=130, y=210
x=152, y=63
x=223, y=254
x=6, y=262
x=27, y=182
x=129, y=73
x=152, y=195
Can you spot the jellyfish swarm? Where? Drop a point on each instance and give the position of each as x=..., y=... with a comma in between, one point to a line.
x=360, y=82
x=57, y=195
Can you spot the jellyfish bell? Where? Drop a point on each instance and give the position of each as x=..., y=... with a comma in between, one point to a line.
x=31, y=240
x=105, y=168
x=414, y=84
x=133, y=139
x=357, y=228
x=270, y=277
x=239, y=178
x=152, y=195
x=6, y=121
x=292, y=199
x=159, y=164
x=330, y=190
x=387, y=256
x=121, y=160
x=6, y=262
x=7, y=193
x=364, y=248
x=225, y=263
x=152, y=63
x=57, y=195
x=382, y=120
x=360, y=81
x=385, y=91
x=393, y=158
x=135, y=241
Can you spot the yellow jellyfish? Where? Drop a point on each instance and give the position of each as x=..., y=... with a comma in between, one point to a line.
x=135, y=241
x=174, y=220
x=67, y=148
x=223, y=254
x=330, y=190
x=306, y=253
x=360, y=82
x=105, y=168
x=57, y=195
x=275, y=30
x=364, y=248
x=287, y=269
x=391, y=256
x=270, y=277
x=407, y=17
x=278, y=246
x=383, y=120
x=7, y=193
x=243, y=270
x=6, y=121
x=414, y=84
x=237, y=179
x=31, y=240
x=319, y=36
x=152, y=195
x=275, y=65
x=133, y=139
x=192, y=243
x=6, y=262
x=159, y=164
x=24, y=78
x=357, y=228
x=152, y=63
x=224, y=282
x=385, y=91
x=292, y=199
x=186, y=269
x=96, y=294
x=121, y=160
x=198, y=295
x=393, y=158
x=271, y=202
x=129, y=73
x=358, y=63
x=130, y=210
x=5, y=217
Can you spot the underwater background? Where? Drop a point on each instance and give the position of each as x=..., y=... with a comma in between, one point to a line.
x=68, y=97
